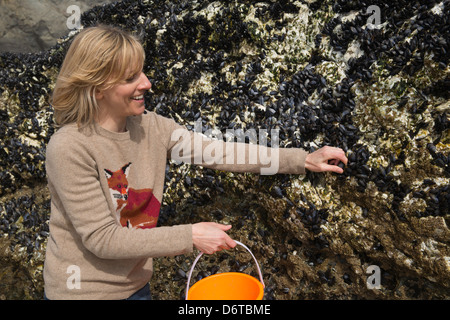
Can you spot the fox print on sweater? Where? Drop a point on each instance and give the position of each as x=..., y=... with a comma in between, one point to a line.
x=135, y=208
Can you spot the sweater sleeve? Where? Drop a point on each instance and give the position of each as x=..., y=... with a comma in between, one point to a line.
x=196, y=148
x=81, y=207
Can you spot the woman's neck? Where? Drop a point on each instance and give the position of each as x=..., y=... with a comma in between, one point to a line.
x=111, y=124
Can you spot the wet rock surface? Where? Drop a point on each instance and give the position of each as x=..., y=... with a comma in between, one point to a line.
x=34, y=26
x=323, y=73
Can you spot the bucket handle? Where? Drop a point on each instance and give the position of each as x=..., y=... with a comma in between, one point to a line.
x=201, y=253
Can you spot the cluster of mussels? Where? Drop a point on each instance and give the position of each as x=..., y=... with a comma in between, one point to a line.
x=323, y=72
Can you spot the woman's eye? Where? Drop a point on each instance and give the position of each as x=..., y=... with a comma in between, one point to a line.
x=132, y=78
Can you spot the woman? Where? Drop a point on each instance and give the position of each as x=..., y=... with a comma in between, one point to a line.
x=106, y=167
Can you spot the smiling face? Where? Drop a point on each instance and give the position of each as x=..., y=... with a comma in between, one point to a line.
x=123, y=99
x=101, y=73
x=121, y=83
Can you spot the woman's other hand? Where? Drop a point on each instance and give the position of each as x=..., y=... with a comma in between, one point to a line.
x=326, y=159
x=209, y=237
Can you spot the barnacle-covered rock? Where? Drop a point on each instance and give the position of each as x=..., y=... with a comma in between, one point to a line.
x=322, y=73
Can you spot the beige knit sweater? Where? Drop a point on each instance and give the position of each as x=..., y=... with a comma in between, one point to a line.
x=106, y=190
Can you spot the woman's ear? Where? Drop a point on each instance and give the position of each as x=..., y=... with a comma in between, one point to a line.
x=98, y=94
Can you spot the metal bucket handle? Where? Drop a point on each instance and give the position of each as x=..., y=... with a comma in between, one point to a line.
x=201, y=253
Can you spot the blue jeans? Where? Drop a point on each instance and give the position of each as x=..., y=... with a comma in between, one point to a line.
x=142, y=294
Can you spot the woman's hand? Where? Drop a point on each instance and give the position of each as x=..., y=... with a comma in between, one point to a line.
x=326, y=159
x=209, y=237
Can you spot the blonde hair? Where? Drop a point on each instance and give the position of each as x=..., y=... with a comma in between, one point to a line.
x=98, y=58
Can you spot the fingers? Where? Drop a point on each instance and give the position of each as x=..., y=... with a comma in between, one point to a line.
x=341, y=156
x=230, y=242
x=223, y=227
x=332, y=153
x=210, y=237
x=337, y=155
x=334, y=162
x=333, y=168
x=326, y=159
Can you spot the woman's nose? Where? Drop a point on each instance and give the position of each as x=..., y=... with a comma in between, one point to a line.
x=144, y=83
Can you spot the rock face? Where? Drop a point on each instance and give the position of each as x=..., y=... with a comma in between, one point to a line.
x=33, y=26
x=323, y=73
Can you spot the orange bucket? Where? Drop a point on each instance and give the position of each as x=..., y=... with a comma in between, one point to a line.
x=227, y=285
